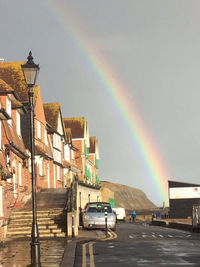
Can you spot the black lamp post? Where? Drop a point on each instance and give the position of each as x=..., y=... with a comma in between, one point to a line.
x=30, y=71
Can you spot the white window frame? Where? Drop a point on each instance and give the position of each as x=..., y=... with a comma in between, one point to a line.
x=29, y=165
x=39, y=130
x=45, y=137
x=20, y=173
x=18, y=125
x=58, y=172
x=57, y=141
x=54, y=175
x=1, y=201
x=0, y=134
x=67, y=152
x=9, y=109
x=41, y=171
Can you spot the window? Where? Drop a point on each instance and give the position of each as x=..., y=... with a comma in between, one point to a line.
x=8, y=165
x=45, y=138
x=41, y=167
x=20, y=173
x=0, y=136
x=67, y=153
x=29, y=164
x=1, y=201
x=8, y=109
x=18, y=123
x=39, y=130
x=57, y=141
x=58, y=172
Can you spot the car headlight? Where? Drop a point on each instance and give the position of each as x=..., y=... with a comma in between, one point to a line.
x=87, y=217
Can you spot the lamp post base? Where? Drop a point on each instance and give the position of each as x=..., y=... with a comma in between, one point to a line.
x=35, y=254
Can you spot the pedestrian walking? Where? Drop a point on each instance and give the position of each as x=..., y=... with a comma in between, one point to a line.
x=133, y=215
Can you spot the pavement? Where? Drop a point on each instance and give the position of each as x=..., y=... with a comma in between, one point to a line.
x=182, y=224
x=54, y=252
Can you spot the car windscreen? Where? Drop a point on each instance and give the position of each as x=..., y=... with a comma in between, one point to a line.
x=98, y=208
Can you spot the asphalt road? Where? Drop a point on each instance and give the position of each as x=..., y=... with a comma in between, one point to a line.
x=141, y=244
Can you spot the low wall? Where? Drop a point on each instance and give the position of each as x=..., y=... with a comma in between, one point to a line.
x=172, y=224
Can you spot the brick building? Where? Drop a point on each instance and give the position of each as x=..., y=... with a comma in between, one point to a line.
x=15, y=185
x=81, y=140
x=63, y=148
x=56, y=131
x=94, y=159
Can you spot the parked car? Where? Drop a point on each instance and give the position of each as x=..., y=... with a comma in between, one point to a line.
x=120, y=213
x=94, y=216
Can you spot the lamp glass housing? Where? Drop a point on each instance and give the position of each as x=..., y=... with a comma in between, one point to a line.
x=30, y=71
x=30, y=75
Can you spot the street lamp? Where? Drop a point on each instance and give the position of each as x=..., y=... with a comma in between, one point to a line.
x=30, y=71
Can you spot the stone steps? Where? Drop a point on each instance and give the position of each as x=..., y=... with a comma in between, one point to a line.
x=51, y=218
x=50, y=224
x=17, y=236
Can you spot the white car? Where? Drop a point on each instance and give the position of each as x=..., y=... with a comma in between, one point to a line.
x=120, y=213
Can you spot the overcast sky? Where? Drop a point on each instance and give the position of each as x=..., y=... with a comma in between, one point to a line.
x=151, y=46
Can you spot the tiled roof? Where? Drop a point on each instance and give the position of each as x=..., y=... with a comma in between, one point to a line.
x=68, y=135
x=36, y=91
x=44, y=151
x=15, y=141
x=51, y=111
x=3, y=163
x=92, y=144
x=76, y=125
x=16, y=104
x=12, y=74
x=4, y=87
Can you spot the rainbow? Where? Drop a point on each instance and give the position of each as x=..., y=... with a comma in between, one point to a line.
x=128, y=112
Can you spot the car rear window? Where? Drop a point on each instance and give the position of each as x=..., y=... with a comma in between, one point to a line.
x=98, y=208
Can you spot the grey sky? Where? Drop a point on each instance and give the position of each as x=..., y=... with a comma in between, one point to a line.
x=152, y=46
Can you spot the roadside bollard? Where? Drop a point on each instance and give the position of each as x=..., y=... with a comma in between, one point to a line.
x=73, y=233
x=106, y=220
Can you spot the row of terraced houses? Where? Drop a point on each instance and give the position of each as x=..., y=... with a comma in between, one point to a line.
x=64, y=150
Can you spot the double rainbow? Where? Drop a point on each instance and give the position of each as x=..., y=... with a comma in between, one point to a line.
x=117, y=93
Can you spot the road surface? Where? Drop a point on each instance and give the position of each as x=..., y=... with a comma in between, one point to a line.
x=141, y=244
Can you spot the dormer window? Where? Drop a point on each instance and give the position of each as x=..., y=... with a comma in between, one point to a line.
x=18, y=125
x=8, y=109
